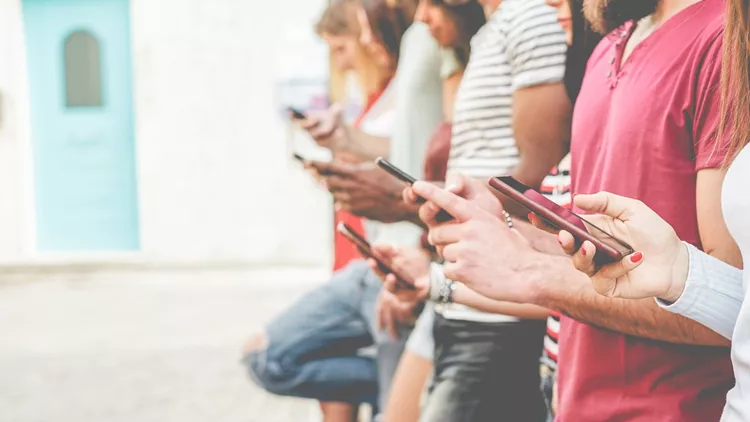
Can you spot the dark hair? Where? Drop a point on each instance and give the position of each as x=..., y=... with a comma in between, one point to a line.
x=469, y=17
x=735, y=78
x=584, y=42
x=389, y=22
x=339, y=18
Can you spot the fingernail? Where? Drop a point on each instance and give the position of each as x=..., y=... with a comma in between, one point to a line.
x=559, y=240
x=529, y=217
x=583, y=251
x=636, y=258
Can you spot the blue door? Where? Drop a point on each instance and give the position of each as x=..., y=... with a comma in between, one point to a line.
x=79, y=64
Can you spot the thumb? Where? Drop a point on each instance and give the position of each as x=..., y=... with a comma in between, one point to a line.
x=609, y=204
x=608, y=280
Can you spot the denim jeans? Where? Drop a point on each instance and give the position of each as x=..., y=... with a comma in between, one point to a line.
x=486, y=372
x=314, y=347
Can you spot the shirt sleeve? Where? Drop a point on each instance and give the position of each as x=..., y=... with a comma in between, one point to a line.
x=535, y=45
x=709, y=150
x=448, y=63
x=713, y=293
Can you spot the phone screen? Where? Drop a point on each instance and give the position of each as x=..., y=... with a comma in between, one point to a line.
x=566, y=214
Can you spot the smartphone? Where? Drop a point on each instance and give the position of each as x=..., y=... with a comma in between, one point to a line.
x=396, y=172
x=366, y=248
x=296, y=113
x=609, y=249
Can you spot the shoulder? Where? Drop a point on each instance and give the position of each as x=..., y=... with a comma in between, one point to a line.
x=418, y=41
x=524, y=14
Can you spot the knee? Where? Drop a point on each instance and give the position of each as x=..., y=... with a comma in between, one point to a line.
x=265, y=368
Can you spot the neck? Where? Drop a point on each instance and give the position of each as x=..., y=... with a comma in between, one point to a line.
x=668, y=8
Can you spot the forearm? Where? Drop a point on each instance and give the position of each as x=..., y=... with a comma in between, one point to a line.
x=569, y=292
x=465, y=296
x=369, y=147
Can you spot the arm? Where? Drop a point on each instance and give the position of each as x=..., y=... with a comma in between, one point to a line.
x=643, y=317
x=450, y=88
x=465, y=296
x=713, y=293
x=368, y=147
x=541, y=107
x=564, y=289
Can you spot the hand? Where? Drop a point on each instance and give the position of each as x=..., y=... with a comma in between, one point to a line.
x=470, y=189
x=658, y=269
x=365, y=190
x=392, y=312
x=327, y=128
x=413, y=267
x=480, y=249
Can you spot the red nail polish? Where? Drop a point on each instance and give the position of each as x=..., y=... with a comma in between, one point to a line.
x=636, y=258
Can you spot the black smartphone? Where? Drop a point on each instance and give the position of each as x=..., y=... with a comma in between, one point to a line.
x=396, y=172
x=296, y=113
x=364, y=246
x=609, y=249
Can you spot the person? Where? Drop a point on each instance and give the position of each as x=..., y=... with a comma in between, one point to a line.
x=620, y=359
x=353, y=294
x=486, y=363
x=690, y=282
x=307, y=351
x=452, y=27
x=581, y=42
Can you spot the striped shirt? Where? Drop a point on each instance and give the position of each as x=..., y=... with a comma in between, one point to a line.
x=556, y=187
x=521, y=45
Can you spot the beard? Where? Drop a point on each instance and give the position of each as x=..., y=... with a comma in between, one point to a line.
x=607, y=15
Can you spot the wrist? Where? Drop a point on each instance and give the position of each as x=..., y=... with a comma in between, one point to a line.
x=543, y=277
x=678, y=275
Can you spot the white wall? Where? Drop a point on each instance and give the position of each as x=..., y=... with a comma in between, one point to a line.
x=15, y=182
x=216, y=182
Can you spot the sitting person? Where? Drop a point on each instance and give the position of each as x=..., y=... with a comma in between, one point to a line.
x=312, y=349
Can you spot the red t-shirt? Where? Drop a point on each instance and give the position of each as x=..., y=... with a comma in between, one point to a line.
x=643, y=130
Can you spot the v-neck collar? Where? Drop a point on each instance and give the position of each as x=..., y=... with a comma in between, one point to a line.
x=623, y=34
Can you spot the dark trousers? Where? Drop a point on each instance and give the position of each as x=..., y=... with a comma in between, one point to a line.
x=486, y=372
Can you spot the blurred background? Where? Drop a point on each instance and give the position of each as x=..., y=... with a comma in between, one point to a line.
x=151, y=215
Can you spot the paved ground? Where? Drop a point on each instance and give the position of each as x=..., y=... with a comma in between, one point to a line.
x=140, y=347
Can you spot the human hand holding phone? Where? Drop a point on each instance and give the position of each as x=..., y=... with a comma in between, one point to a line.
x=413, y=265
x=609, y=248
x=658, y=269
x=366, y=250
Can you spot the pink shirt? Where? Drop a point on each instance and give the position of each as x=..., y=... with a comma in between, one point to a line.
x=643, y=129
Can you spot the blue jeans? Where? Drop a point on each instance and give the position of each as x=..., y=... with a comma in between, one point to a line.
x=314, y=346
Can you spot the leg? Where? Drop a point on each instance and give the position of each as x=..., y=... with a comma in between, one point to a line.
x=486, y=372
x=389, y=350
x=413, y=372
x=310, y=350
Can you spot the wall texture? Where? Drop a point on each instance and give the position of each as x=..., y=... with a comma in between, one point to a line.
x=216, y=183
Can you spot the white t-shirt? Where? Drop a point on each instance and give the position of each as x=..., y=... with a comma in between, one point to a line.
x=521, y=45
